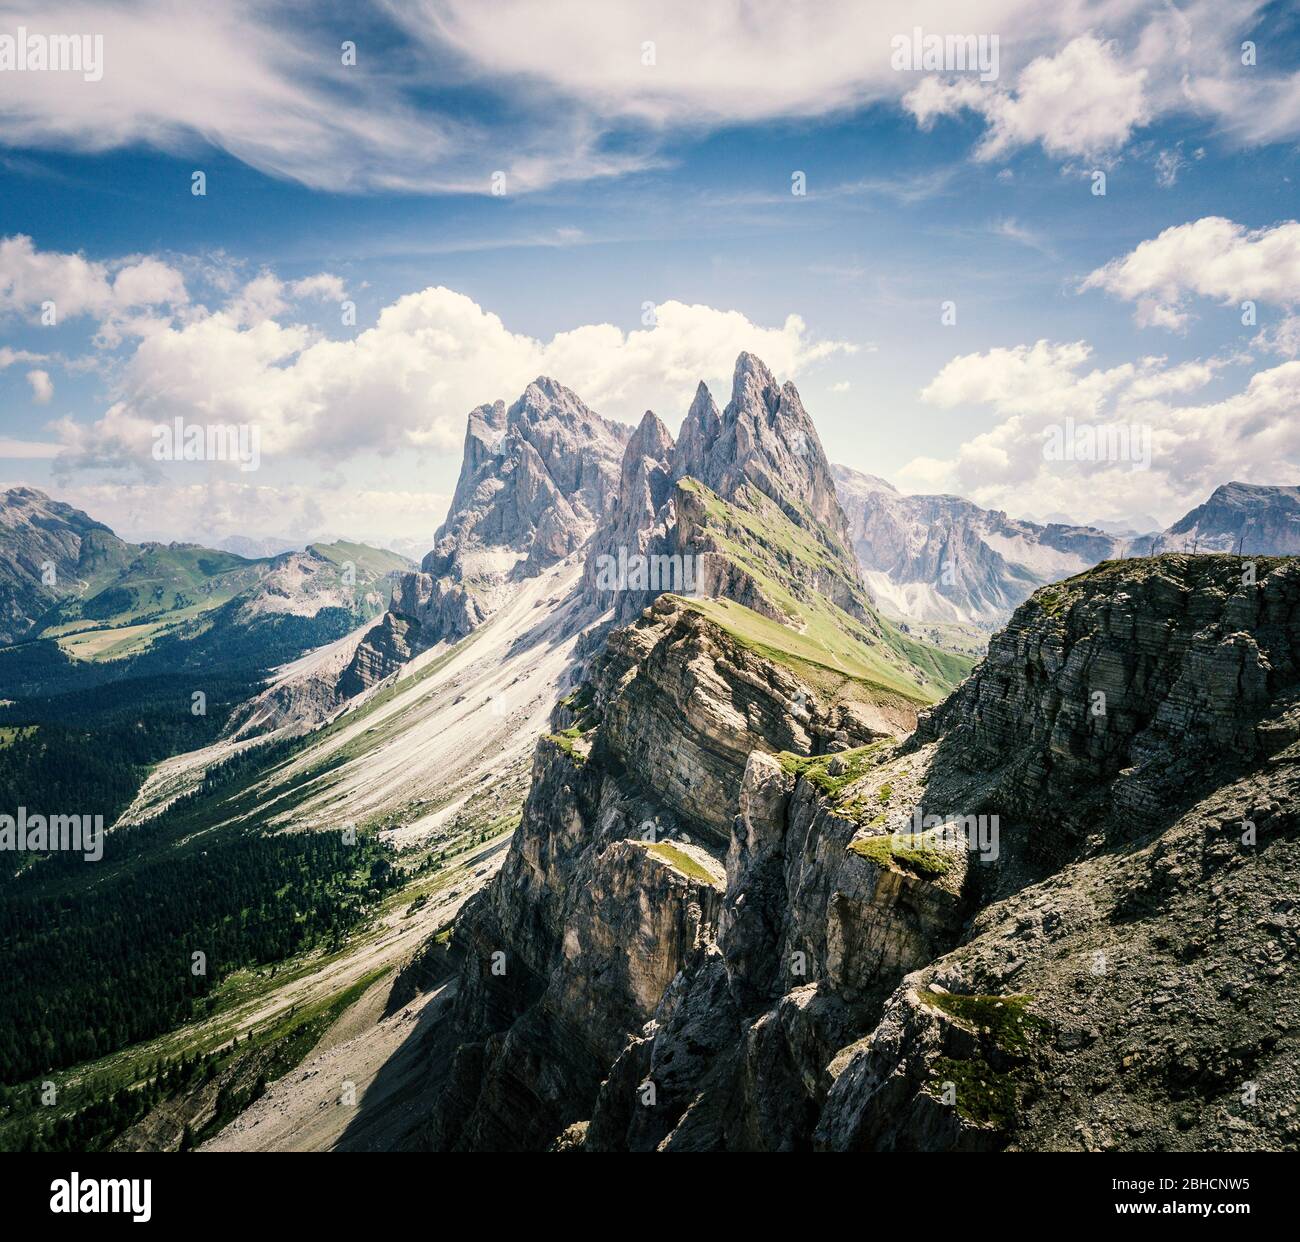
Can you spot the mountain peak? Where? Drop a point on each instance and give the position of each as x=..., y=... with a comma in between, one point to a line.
x=650, y=439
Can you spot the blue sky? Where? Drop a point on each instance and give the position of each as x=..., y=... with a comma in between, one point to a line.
x=637, y=177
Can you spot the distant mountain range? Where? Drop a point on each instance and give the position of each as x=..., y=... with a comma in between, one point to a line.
x=944, y=559
x=68, y=578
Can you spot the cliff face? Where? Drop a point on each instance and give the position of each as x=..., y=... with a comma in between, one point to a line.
x=613, y=885
x=1031, y=924
x=535, y=480
x=1238, y=517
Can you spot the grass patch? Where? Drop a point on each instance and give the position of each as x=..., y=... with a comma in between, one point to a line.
x=683, y=862
x=918, y=859
x=816, y=768
x=1006, y=1020
x=984, y=1096
x=568, y=742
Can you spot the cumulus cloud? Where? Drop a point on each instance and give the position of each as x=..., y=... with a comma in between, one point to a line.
x=42, y=386
x=410, y=380
x=1083, y=101
x=1213, y=258
x=1032, y=390
x=77, y=286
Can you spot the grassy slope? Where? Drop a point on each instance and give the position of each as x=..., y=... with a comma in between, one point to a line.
x=828, y=643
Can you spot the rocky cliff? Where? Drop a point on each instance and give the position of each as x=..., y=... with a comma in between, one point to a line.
x=535, y=480
x=1238, y=517
x=1060, y=915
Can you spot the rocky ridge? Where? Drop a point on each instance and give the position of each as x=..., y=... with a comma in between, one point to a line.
x=1032, y=924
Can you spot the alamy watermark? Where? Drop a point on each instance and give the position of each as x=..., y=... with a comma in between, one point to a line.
x=25, y=52
x=639, y=572
x=1071, y=441
x=181, y=441
x=919, y=52
x=40, y=834
x=978, y=834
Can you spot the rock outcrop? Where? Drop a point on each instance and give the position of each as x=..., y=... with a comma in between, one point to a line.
x=1046, y=920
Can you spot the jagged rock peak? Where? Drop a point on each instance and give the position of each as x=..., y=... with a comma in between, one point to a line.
x=650, y=439
x=767, y=439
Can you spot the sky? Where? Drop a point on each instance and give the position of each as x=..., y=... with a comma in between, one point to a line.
x=412, y=208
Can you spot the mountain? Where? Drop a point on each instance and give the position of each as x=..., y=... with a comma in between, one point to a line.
x=643, y=863
x=1055, y=917
x=253, y=548
x=1238, y=517
x=89, y=606
x=944, y=559
x=740, y=515
x=48, y=550
x=535, y=480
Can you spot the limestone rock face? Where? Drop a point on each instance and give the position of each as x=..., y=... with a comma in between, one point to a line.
x=535, y=480
x=866, y=967
x=1112, y=692
x=615, y=880
x=1238, y=517
x=943, y=558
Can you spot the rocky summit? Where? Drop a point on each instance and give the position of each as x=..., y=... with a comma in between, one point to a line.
x=536, y=478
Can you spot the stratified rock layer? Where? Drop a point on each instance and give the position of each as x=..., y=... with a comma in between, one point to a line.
x=1033, y=924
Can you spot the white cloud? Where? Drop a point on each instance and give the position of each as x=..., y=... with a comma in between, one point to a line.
x=270, y=87
x=42, y=386
x=1250, y=435
x=410, y=380
x=1283, y=338
x=254, y=81
x=27, y=449
x=1082, y=101
x=324, y=285
x=80, y=286
x=1168, y=165
x=1212, y=257
x=8, y=357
